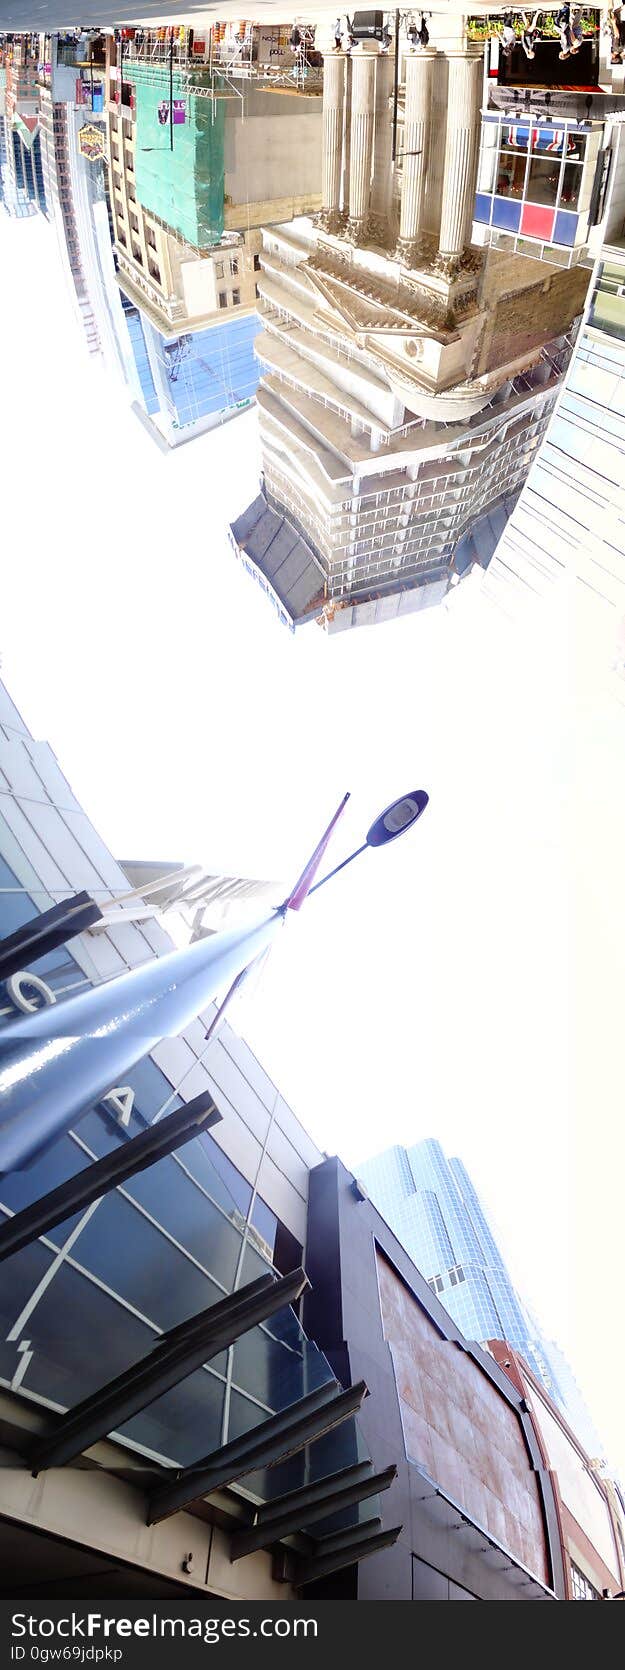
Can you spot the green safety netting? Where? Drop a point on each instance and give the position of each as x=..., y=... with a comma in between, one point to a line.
x=184, y=186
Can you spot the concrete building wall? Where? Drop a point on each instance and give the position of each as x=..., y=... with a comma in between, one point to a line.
x=95, y=1510
x=272, y=145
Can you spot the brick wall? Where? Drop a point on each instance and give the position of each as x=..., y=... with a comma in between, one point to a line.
x=526, y=319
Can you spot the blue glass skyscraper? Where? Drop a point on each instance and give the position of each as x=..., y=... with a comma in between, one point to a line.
x=430, y=1203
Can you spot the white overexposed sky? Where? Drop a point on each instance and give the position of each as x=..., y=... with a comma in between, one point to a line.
x=466, y=982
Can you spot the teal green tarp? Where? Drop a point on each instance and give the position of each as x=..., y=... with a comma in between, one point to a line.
x=183, y=186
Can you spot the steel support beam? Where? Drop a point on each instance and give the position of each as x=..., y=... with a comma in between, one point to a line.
x=98, y=1179
x=174, y=1356
x=347, y=1538
x=301, y=1508
x=322, y=1565
x=46, y=932
x=282, y=1435
x=308, y=1495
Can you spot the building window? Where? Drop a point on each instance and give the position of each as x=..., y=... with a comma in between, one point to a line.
x=257, y=263
x=571, y=184
x=511, y=176
x=543, y=182
x=219, y=269
x=234, y=268
x=236, y=297
x=223, y=298
x=582, y=1589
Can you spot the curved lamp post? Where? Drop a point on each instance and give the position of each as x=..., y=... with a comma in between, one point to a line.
x=62, y=1059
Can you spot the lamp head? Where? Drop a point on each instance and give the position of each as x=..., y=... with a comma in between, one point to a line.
x=397, y=817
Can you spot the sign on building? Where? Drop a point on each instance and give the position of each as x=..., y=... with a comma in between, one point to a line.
x=91, y=142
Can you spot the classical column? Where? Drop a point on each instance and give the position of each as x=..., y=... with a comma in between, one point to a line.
x=381, y=205
x=361, y=149
x=333, y=108
x=436, y=162
x=460, y=157
x=419, y=70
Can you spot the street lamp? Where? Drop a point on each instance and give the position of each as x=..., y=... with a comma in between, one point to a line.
x=60, y=1060
x=394, y=821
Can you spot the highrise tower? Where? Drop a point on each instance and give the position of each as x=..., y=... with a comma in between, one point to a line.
x=433, y=1207
x=407, y=378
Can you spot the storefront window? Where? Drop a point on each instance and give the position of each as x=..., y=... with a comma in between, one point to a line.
x=571, y=184
x=515, y=138
x=544, y=178
x=511, y=175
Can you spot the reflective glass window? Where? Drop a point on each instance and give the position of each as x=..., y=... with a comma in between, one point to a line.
x=124, y=1250
x=176, y=1203
x=20, y=1188
x=183, y=1424
x=510, y=175
x=20, y=1275
x=544, y=178
x=265, y=1221
x=571, y=184
x=80, y=1338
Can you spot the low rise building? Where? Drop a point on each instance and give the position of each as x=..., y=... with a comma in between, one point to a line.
x=188, y=196
x=590, y=1507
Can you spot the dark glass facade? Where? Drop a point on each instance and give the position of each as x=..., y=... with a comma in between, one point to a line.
x=82, y=1304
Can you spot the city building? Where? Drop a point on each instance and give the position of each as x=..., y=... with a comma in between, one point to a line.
x=23, y=186
x=193, y=381
x=549, y=162
x=407, y=377
x=60, y=120
x=22, y=190
x=58, y=170
x=253, y=1476
x=229, y=1210
x=435, y=1211
x=590, y=1507
x=188, y=198
x=179, y=383
x=563, y=550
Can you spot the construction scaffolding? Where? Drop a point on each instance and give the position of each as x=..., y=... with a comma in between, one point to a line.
x=179, y=152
